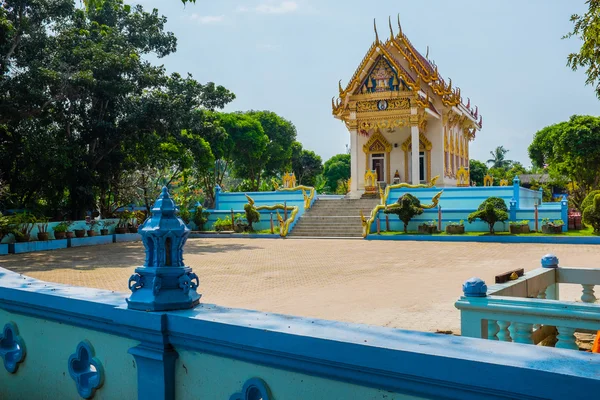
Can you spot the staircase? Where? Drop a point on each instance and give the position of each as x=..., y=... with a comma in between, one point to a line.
x=334, y=218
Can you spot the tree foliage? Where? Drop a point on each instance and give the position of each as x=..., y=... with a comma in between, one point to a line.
x=335, y=169
x=586, y=27
x=591, y=214
x=252, y=215
x=492, y=210
x=571, y=150
x=477, y=171
x=306, y=165
x=407, y=207
x=498, y=159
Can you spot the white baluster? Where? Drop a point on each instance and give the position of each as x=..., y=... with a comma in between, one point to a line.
x=588, y=294
x=566, y=338
x=492, y=329
x=522, y=333
x=504, y=334
x=541, y=295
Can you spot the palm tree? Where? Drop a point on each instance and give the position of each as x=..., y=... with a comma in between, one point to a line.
x=498, y=159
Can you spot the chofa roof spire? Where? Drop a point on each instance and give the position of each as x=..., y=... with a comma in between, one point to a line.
x=375, y=28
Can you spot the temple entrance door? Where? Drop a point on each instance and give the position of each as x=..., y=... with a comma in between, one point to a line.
x=377, y=164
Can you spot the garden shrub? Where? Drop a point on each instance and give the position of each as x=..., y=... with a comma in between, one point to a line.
x=200, y=218
x=492, y=210
x=589, y=199
x=252, y=215
x=591, y=214
x=223, y=224
x=405, y=208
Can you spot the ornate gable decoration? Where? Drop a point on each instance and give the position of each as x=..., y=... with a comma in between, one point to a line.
x=377, y=144
x=382, y=78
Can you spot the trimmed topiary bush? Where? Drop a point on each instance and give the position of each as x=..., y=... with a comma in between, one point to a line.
x=406, y=208
x=591, y=214
x=492, y=210
x=252, y=215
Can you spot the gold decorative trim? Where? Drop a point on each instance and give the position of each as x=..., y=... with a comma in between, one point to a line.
x=462, y=177
x=488, y=180
x=503, y=182
x=284, y=226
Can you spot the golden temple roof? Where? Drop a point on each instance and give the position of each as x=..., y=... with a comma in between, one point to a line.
x=421, y=72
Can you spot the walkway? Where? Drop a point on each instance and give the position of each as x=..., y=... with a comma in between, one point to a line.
x=410, y=285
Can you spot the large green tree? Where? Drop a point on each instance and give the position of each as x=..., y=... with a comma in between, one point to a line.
x=586, y=27
x=336, y=169
x=571, y=150
x=251, y=144
x=81, y=100
x=306, y=165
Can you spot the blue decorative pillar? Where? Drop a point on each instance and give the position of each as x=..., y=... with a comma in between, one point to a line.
x=217, y=195
x=564, y=213
x=551, y=261
x=471, y=323
x=513, y=210
x=164, y=282
x=516, y=190
x=541, y=190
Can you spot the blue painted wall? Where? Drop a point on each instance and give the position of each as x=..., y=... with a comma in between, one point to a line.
x=236, y=201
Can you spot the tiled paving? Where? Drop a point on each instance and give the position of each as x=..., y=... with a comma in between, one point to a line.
x=410, y=285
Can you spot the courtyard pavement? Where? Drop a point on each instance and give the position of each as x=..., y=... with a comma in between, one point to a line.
x=409, y=285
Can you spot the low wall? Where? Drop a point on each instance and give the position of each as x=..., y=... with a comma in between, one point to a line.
x=76, y=225
x=218, y=353
x=457, y=203
x=226, y=201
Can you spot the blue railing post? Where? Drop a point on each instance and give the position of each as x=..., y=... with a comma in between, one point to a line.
x=564, y=213
x=551, y=261
x=513, y=210
x=541, y=190
x=516, y=190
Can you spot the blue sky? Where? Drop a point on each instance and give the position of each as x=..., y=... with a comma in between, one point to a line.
x=288, y=55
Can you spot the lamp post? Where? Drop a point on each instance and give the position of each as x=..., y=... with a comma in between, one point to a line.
x=164, y=282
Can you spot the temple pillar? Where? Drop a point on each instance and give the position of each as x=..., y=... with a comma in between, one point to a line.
x=414, y=133
x=354, y=169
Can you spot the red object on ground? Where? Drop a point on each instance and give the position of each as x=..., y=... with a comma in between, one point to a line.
x=596, y=346
x=574, y=219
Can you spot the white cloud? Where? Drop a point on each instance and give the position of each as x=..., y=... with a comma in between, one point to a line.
x=207, y=19
x=271, y=7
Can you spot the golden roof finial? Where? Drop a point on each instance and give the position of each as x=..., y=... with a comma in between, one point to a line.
x=376, y=35
x=399, y=26
x=340, y=87
x=427, y=55
x=333, y=102
x=391, y=30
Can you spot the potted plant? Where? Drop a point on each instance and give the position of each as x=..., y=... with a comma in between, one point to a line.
x=60, y=230
x=22, y=227
x=5, y=226
x=552, y=228
x=456, y=228
x=42, y=229
x=121, y=227
x=92, y=227
x=104, y=225
x=428, y=227
x=69, y=233
x=200, y=218
x=517, y=227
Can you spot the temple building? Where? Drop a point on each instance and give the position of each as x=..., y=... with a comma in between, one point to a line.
x=406, y=123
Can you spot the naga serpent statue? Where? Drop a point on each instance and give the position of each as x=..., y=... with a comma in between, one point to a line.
x=307, y=197
x=284, y=225
x=366, y=223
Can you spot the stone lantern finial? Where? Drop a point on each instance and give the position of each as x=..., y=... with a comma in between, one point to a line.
x=164, y=282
